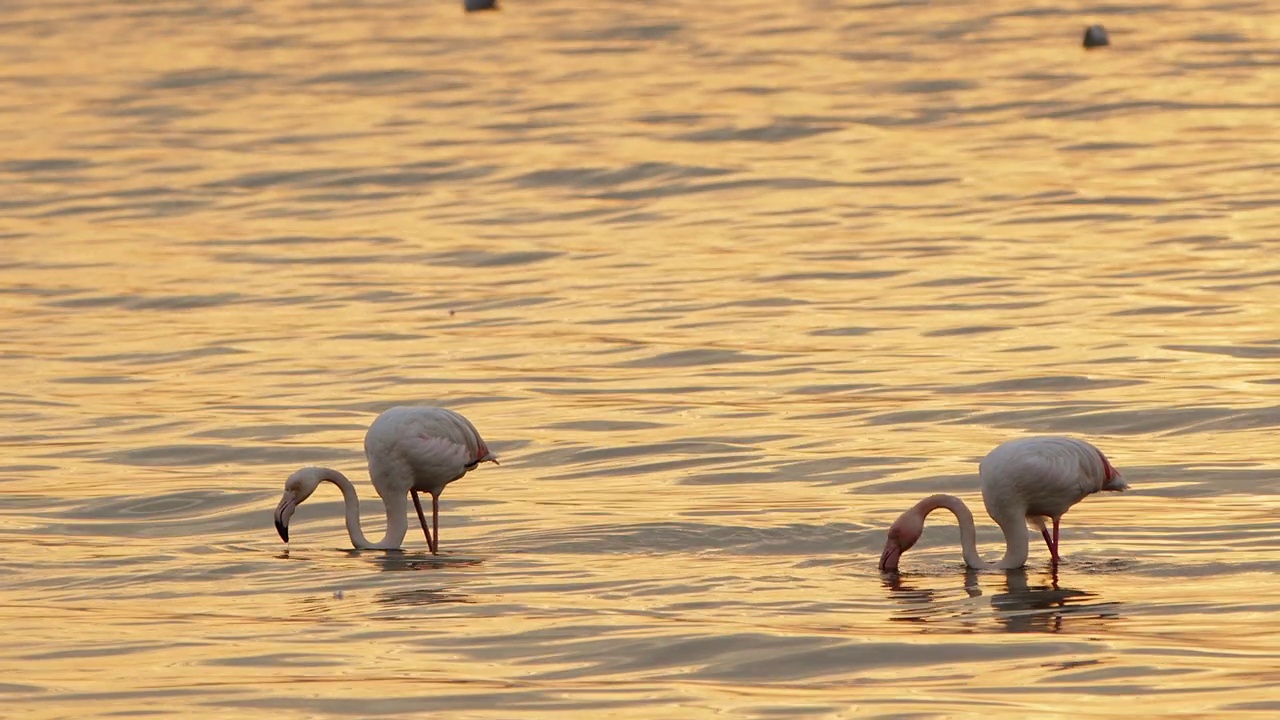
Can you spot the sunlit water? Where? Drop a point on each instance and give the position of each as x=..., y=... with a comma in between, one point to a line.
x=727, y=285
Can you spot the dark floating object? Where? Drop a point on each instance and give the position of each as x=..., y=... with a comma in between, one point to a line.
x=1094, y=35
x=474, y=5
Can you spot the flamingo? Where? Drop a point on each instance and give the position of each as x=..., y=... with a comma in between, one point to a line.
x=408, y=449
x=1023, y=481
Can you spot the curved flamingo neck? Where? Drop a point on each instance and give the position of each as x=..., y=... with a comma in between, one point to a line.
x=1015, y=533
x=397, y=520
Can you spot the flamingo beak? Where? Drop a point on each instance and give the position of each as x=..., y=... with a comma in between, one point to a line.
x=889, y=556
x=284, y=511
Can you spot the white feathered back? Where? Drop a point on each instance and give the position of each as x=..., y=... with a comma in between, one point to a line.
x=1044, y=475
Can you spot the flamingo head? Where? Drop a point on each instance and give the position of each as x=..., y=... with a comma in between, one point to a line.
x=297, y=488
x=903, y=534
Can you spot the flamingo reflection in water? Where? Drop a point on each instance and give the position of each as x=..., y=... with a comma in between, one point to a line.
x=1024, y=606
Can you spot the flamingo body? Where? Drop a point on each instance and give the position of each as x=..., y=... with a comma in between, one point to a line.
x=1027, y=480
x=409, y=449
x=422, y=448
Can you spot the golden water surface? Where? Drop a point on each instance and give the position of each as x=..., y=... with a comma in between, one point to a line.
x=726, y=284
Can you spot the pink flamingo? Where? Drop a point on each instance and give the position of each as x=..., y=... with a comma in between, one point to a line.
x=409, y=449
x=1023, y=481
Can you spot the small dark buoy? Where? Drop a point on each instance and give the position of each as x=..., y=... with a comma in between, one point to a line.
x=474, y=5
x=1094, y=36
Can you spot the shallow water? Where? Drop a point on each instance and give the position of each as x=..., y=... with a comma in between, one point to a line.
x=726, y=285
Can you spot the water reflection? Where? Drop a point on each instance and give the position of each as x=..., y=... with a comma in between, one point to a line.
x=1042, y=605
x=397, y=560
x=401, y=561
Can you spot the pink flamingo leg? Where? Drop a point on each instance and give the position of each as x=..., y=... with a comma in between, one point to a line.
x=1048, y=541
x=435, y=523
x=1056, y=556
x=423, y=519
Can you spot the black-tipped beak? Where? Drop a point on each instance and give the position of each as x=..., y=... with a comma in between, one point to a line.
x=284, y=511
x=889, y=557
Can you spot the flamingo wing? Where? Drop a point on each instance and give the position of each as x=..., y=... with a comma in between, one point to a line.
x=1046, y=475
x=436, y=459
